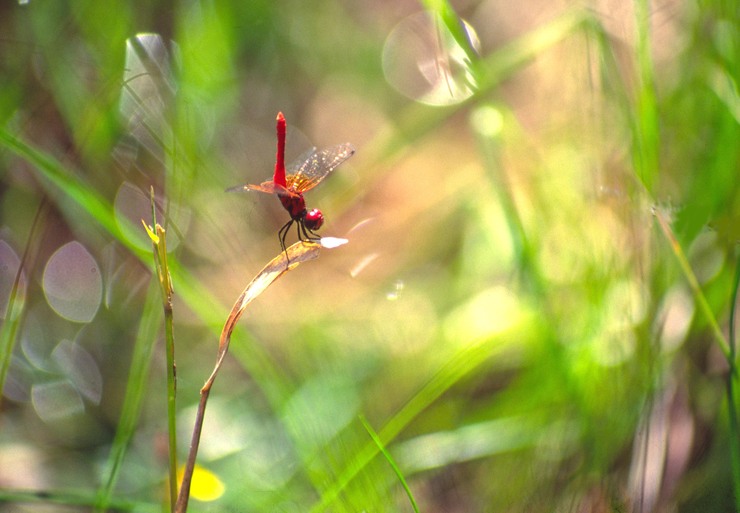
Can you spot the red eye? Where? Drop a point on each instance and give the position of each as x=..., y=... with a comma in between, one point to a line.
x=314, y=219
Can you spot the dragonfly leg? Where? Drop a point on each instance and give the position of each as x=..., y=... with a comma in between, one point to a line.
x=312, y=235
x=284, y=233
x=305, y=234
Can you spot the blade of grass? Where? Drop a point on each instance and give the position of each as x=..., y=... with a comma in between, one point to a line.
x=135, y=391
x=694, y=284
x=159, y=250
x=444, y=11
x=391, y=462
x=193, y=293
x=731, y=391
x=64, y=180
x=486, y=122
x=645, y=131
x=80, y=498
x=14, y=313
x=286, y=261
x=457, y=367
x=9, y=329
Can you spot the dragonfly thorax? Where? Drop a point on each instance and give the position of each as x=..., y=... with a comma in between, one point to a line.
x=294, y=204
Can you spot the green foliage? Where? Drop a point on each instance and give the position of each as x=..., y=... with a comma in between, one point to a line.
x=535, y=311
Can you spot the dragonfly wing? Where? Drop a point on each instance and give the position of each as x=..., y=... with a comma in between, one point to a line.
x=268, y=187
x=238, y=188
x=302, y=158
x=316, y=165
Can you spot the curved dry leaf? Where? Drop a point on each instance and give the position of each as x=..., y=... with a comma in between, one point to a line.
x=287, y=260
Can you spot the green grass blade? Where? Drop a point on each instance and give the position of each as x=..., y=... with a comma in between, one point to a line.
x=389, y=458
x=731, y=391
x=70, y=498
x=444, y=10
x=457, y=367
x=136, y=390
x=14, y=313
x=190, y=290
x=64, y=181
x=9, y=330
x=161, y=264
x=694, y=284
x=645, y=132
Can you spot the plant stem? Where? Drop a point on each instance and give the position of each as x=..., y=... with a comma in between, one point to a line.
x=693, y=283
x=731, y=404
x=135, y=391
x=14, y=313
x=159, y=246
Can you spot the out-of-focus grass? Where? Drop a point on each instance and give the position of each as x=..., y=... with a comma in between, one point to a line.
x=508, y=316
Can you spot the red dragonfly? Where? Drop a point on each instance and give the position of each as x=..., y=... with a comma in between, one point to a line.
x=302, y=175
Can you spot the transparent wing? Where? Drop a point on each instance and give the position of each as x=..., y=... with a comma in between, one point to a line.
x=313, y=166
x=267, y=187
x=293, y=167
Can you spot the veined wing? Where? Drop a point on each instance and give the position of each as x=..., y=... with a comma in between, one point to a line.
x=268, y=187
x=313, y=166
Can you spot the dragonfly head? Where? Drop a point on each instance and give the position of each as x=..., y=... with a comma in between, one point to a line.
x=314, y=219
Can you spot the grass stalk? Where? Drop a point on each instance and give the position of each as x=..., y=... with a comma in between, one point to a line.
x=62, y=179
x=286, y=261
x=693, y=283
x=71, y=497
x=136, y=390
x=14, y=314
x=732, y=391
x=159, y=248
x=391, y=462
x=456, y=367
x=645, y=132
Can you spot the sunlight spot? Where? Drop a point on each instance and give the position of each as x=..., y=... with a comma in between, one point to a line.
x=36, y=343
x=490, y=313
x=332, y=242
x=487, y=121
x=18, y=381
x=424, y=62
x=56, y=400
x=24, y=466
x=407, y=323
x=72, y=283
x=146, y=93
x=674, y=317
x=396, y=292
x=707, y=256
x=362, y=264
x=467, y=443
x=361, y=224
x=80, y=368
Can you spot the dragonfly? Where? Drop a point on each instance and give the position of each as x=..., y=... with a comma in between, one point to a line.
x=301, y=176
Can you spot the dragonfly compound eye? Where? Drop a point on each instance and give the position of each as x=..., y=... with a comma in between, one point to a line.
x=314, y=219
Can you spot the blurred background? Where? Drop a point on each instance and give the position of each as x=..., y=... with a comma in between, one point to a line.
x=534, y=309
